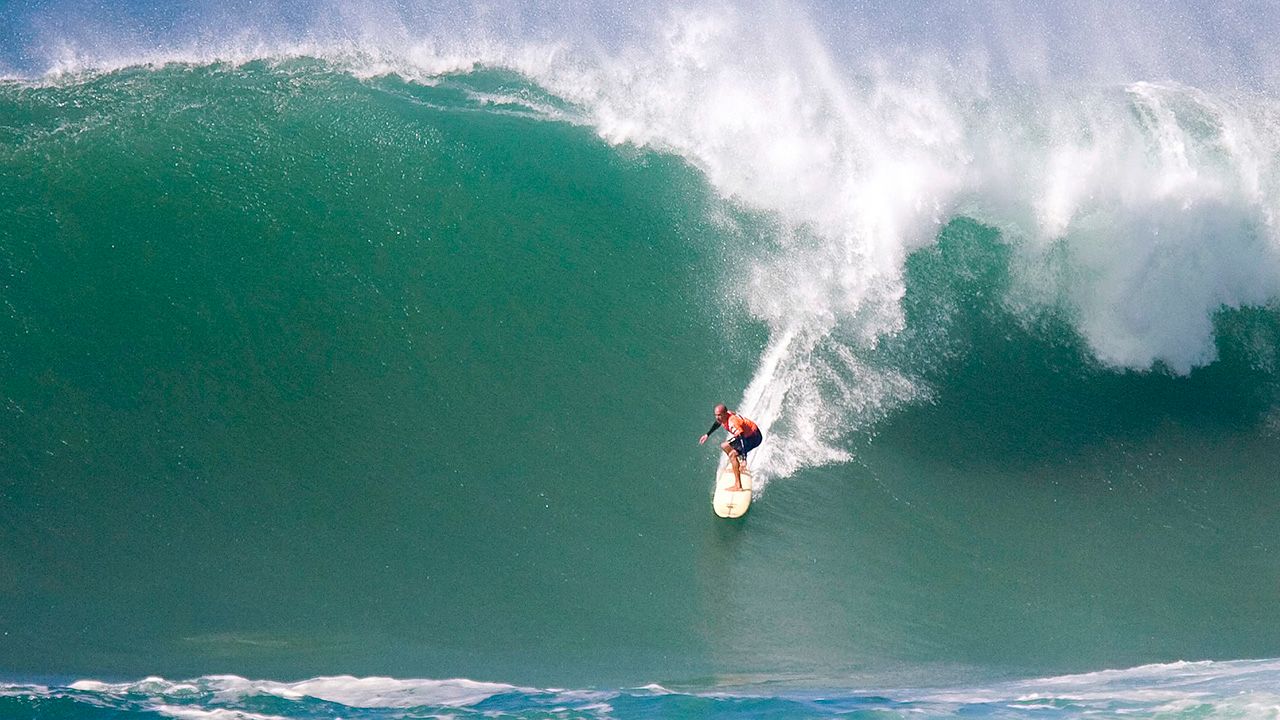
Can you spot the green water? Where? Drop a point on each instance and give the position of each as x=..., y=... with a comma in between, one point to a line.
x=305, y=374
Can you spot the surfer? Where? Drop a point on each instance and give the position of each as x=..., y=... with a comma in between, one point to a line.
x=744, y=436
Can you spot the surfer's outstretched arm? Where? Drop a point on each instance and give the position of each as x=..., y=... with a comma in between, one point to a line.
x=714, y=426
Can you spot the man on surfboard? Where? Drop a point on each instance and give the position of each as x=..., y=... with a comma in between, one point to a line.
x=744, y=436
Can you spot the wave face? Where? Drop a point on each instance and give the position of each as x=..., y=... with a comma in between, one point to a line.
x=378, y=342
x=1192, y=690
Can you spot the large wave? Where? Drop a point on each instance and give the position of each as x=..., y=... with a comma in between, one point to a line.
x=1131, y=165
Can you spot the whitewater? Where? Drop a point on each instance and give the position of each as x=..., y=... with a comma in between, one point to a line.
x=1236, y=689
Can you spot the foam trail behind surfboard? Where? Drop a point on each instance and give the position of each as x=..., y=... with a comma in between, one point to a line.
x=763, y=399
x=808, y=393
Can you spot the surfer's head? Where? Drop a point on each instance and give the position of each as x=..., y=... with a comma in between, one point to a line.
x=722, y=412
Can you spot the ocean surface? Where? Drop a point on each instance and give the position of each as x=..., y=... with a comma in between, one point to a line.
x=353, y=360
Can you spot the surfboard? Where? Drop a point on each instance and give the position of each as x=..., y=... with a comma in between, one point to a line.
x=731, y=504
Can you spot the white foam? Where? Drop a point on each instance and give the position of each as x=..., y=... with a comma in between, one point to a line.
x=19, y=690
x=1154, y=209
x=150, y=685
x=1164, y=684
x=367, y=692
x=191, y=713
x=371, y=692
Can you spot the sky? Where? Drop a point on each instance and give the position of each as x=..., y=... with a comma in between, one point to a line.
x=1198, y=43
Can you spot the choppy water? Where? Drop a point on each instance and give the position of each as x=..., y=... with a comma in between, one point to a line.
x=1182, y=690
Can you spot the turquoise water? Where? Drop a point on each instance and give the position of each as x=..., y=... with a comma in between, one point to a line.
x=318, y=368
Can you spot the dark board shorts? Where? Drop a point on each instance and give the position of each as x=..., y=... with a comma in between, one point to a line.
x=747, y=443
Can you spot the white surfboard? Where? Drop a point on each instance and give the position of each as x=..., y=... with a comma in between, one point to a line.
x=731, y=504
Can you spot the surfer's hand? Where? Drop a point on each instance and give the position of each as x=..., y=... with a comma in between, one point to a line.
x=702, y=439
